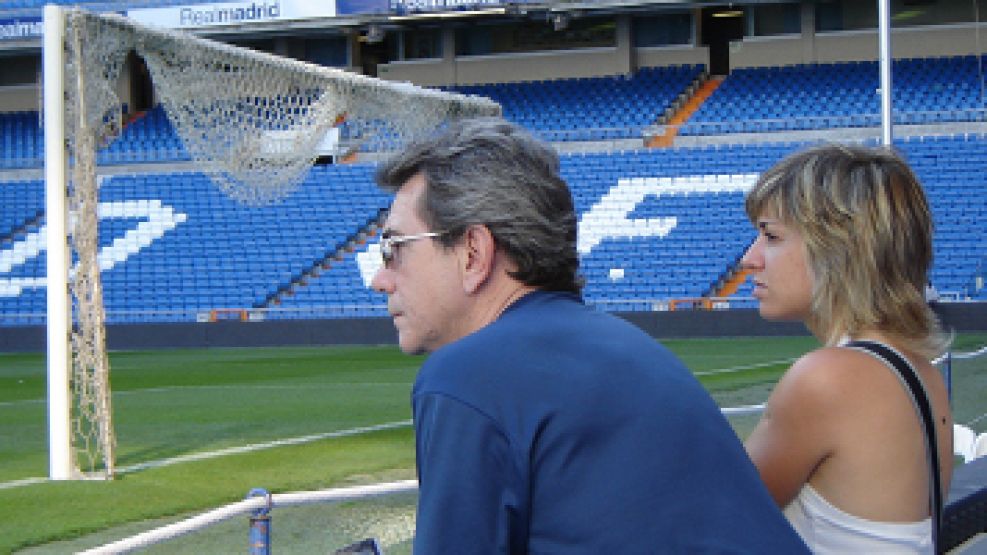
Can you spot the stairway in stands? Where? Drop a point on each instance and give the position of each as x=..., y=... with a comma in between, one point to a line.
x=685, y=109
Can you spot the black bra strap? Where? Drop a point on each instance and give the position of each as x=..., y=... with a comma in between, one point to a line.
x=909, y=377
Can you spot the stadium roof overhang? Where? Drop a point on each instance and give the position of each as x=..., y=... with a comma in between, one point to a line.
x=506, y=10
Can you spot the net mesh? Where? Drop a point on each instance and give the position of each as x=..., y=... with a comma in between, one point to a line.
x=253, y=122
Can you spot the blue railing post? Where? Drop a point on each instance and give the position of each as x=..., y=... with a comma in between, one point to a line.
x=260, y=525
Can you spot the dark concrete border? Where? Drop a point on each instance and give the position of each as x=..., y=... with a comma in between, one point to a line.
x=380, y=331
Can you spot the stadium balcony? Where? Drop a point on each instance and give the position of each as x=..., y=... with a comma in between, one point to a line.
x=656, y=225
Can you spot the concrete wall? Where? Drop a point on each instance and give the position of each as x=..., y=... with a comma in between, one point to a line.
x=536, y=66
x=672, y=56
x=380, y=331
x=805, y=48
x=27, y=97
x=20, y=98
x=621, y=59
x=504, y=68
x=846, y=46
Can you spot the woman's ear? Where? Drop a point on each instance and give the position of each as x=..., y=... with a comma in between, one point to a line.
x=477, y=257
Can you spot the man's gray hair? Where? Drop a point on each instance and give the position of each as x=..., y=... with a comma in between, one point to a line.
x=490, y=172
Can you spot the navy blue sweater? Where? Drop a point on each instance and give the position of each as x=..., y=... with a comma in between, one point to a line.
x=559, y=429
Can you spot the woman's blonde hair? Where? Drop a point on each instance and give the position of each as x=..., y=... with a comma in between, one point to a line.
x=867, y=229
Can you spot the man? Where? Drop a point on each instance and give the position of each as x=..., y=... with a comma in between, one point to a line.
x=543, y=426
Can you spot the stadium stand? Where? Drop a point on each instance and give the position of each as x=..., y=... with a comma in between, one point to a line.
x=149, y=137
x=179, y=248
x=754, y=100
x=671, y=229
x=183, y=251
x=823, y=96
x=587, y=109
x=20, y=140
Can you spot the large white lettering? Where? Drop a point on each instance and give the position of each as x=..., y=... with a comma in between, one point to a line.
x=160, y=219
x=18, y=29
x=434, y=5
x=247, y=12
x=219, y=15
x=609, y=217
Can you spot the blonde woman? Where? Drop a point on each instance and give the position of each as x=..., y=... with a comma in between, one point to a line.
x=844, y=245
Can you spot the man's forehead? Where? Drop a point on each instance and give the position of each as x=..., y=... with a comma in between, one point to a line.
x=403, y=214
x=400, y=214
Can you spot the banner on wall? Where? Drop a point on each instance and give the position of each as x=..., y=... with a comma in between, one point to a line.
x=198, y=16
x=20, y=28
x=216, y=14
x=358, y=7
x=419, y=6
x=351, y=7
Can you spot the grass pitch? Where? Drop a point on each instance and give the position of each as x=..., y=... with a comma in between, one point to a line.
x=170, y=404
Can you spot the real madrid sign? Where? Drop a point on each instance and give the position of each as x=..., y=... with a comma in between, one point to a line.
x=231, y=13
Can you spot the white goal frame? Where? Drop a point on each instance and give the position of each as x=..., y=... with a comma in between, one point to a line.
x=60, y=462
x=293, y=103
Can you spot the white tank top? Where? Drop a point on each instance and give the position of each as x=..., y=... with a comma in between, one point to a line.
x=827, y=529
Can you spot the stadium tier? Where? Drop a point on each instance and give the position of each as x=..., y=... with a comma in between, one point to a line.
x=755, y=100
x=175, y=247
x=148, y=137
x=587, y=109
x=655, y=225
x=823, y=96
x=21, y=140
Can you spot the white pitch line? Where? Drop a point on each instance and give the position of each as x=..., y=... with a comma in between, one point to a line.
x=261, y=446
x=22, y=482
x=204, y=455
x=169, y=389
x=21, y=401
x=747, y=367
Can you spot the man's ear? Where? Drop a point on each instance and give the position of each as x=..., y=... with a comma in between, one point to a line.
x=477, y=257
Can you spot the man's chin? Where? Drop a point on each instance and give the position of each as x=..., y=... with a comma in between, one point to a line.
x=409, y=348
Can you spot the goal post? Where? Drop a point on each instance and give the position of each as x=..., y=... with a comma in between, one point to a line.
x=60, y=466
x=253, y=122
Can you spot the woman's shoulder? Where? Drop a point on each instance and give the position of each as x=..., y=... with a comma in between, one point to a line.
x=827, y=378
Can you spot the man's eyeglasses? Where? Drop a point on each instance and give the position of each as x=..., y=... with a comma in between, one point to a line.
x=389, y=243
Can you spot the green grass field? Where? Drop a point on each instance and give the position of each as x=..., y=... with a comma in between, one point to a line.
x=173, y=403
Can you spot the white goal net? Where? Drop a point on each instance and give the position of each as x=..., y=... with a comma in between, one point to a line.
x=253, y=122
